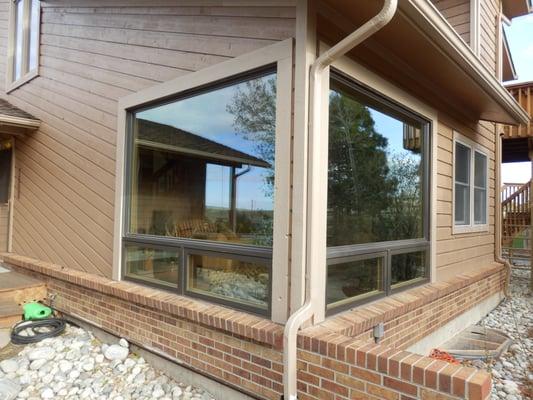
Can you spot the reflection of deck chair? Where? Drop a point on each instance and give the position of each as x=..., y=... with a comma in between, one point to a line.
x=190, y=228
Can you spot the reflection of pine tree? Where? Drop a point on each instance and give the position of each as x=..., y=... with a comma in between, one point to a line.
x=359, y=187
x=404, y=214
x=254, y=111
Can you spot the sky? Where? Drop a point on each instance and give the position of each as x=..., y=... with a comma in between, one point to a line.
x=520, y=37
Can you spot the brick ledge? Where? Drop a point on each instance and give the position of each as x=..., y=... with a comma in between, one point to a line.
x=222, y=318
x=400, y=374
x=360, y=319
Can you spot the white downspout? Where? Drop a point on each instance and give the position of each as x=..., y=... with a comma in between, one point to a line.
x=498, y=174
x=316, y=210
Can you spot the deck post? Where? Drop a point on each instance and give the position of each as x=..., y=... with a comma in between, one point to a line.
x=531, y=221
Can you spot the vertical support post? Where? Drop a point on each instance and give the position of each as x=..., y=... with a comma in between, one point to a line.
x=305, y=55
x=530, y=201
x=233, y=200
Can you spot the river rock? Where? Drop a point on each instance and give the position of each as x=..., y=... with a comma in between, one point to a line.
x=116, y=352
x=9, y=389
x=9, y=366
x=47, y=393
x=41, y=353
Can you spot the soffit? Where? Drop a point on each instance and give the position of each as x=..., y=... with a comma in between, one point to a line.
x=420, y=52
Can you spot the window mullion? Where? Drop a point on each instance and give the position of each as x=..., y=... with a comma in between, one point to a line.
x=471, y=188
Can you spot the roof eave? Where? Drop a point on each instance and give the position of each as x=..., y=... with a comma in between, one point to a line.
x=19, y=122
x=516, y=8
x=441, y=32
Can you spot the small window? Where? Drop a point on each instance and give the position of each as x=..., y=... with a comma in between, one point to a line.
x=24, y=41
x=470, y=186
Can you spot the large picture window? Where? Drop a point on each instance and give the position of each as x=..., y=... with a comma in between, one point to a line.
x=200, y=189
x=377, y=220
x=24, y=41
x=470, y=186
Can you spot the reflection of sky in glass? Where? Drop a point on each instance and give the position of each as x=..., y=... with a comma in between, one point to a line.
x=206, y=115
x=392, y=129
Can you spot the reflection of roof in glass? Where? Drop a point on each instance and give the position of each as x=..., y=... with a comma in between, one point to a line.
x=165, y=137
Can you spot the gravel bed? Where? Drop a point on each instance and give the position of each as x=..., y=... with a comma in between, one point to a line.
x=513, y=371
x=76, y=365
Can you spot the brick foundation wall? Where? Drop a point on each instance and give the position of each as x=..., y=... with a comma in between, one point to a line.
x=412, y=315
x=337, y=359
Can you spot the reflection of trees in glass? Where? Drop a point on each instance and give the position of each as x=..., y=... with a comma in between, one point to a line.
x=254, y=111
x=359, y=186
x=253, y=107
x=372, y=196
x=403, y=217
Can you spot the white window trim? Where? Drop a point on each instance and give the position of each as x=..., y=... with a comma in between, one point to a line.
x=281, y=54
x=474, y=147
x=11, y=84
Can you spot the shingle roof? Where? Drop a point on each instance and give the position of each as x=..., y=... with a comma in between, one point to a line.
x=191, y=144
x=11, y=111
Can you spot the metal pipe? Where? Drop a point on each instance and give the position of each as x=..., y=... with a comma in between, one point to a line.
x=317, y=202
x=498, y=213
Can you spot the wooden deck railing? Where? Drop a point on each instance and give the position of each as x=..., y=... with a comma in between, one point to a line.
x=516, y=210
x=523, y=94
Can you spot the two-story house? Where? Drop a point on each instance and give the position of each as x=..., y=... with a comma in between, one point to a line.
x=294, y=198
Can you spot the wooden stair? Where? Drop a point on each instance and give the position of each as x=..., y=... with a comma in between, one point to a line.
x=15, y=291
x=516, y=212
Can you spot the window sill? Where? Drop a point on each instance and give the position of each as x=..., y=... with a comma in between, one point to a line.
x=460, y=229
x=10, y=86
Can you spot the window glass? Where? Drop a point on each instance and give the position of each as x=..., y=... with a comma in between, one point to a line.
x=462, y=163
x=375, y=176
x=352, y=280
x=152, y=265
x=407, y=267
x=5, y=170
x=244, y=281
x=19, y=26
x=203, y=166
x=480, y=188
x=462, y=184
x=34, y=35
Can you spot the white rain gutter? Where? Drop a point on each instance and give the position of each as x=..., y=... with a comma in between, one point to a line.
x=315, y=212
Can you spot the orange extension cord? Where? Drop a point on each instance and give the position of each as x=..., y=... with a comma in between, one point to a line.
x=442, y=355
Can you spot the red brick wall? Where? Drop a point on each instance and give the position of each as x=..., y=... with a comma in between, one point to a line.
x=337, y=359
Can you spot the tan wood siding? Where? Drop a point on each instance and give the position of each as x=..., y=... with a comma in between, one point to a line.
x=4, y=226
x=457, y=13
x=92, y=53
x=488, y=33
x=457, y=253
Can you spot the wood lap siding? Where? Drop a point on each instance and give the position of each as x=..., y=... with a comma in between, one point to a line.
x=4, y=226
x=488, y=33
x=460, y=252
x=457, y=13
x=91, y=54
x=457, y=253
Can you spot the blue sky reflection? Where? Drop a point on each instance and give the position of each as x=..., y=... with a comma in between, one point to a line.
x=206, y=115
